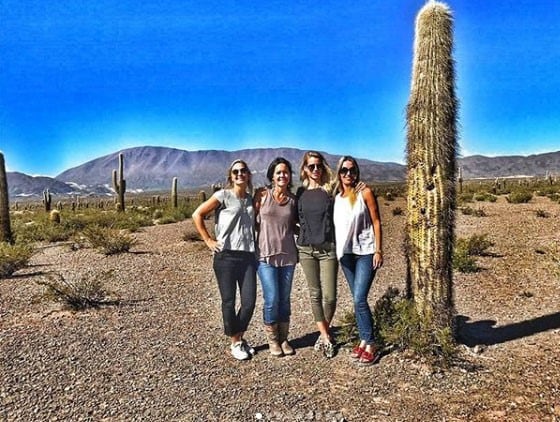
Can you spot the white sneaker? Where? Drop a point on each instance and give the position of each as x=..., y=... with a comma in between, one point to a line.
x=238, y=351
x=248, y=348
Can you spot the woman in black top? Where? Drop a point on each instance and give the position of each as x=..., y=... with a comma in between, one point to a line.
x=315, y=242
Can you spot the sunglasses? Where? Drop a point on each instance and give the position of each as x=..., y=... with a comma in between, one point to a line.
x=345, y=170
x=239, y=171
x=313, y=167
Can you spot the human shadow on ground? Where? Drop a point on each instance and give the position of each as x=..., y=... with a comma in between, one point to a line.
x=485, y=333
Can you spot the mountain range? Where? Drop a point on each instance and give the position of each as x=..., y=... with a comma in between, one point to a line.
x=152, y=168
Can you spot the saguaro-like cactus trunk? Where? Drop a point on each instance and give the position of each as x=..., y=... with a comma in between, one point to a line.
x=431, y=166
x=119, y=184
x=5, y=228
x=174, y=201
x=47, y=200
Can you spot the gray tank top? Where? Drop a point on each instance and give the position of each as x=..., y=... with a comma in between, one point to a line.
x=235, y=221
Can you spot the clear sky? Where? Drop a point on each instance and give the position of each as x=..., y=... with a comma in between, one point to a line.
x=80, y=79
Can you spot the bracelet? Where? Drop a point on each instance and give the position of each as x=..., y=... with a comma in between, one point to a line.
x=379, y=252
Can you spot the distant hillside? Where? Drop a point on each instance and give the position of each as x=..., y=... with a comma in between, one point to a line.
x=22, y=185
x=477, y=166
x=153, y=168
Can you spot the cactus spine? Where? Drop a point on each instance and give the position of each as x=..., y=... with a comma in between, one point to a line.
x=47, y=200
x=174, y=202
x=431, y=165
x=119, y=184
x=5, y=229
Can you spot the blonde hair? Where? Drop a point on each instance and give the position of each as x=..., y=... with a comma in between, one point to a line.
x=338, y=186
x=229, y=180
x=326, y=181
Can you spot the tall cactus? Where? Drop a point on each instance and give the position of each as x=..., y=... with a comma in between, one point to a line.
x=47, y=200
x=174, y=202
x=431, y=165
x=5, y=229
x=119, y=184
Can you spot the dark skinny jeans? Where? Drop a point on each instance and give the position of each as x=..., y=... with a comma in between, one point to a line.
x=233, y=269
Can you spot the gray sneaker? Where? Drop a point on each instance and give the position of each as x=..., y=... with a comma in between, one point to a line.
x=238, y=351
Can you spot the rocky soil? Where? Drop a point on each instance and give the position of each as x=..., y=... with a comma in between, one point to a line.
x=159, y=353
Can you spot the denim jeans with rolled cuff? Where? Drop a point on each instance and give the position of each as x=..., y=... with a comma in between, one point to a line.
x=276, y=285
x=359, y=272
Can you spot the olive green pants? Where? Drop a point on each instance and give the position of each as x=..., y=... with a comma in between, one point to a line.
x=320, y=267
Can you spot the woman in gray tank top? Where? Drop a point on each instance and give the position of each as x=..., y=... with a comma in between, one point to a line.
x=234, y=252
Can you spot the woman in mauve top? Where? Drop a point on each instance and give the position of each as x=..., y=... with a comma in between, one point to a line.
x=276, y=218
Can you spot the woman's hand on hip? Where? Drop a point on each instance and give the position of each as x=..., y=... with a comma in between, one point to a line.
x=213, y=245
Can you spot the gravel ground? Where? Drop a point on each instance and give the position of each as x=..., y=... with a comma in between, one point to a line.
x=160, y=353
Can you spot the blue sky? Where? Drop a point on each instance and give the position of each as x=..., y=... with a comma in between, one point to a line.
x=81, y=79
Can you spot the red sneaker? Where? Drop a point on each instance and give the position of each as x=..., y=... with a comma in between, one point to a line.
x=368, y=358
x=357, y=352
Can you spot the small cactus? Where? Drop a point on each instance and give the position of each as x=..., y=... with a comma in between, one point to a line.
x=54, y=217
x=119, y=184
x=5, y=228
x=202, y=196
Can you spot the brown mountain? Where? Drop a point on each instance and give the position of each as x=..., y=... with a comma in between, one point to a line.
x=152, y=168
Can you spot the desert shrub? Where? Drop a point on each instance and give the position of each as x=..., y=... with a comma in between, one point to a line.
x=541, y=213
x=519, y=197
x=348, y=332
x=554, y=197
x=77, y=291
x=465, y=197
x=397, y=323
x=107, y=240
x=158, y=213
x=484, y=197
x=465, y=251
x=476, y=245
x=389, y=196
x=463, y=262
x=397, y=211
x=476, y=212
x=40, y=229
x=13, y=257
x=174, y=215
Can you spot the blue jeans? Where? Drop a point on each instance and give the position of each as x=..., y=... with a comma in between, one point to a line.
x=277, y=286
x=359, y=272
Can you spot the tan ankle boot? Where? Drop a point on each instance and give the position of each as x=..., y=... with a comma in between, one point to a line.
x=283, y=330
x=273, y=341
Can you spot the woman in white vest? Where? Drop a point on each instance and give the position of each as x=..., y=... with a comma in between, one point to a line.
x=359, y=249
